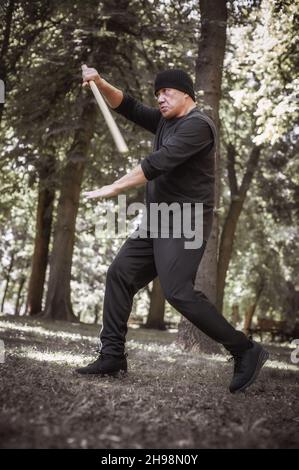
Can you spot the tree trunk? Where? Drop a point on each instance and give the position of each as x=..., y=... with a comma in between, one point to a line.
x=21, y=285
x=96, y=314
x=248, y=319
x=46, y=195
x=7, y=280
x=292, y=310
x=5, y=46
x=251, y=310
x=58, y=302
x=155, y=317
x=208, y=79
x=238, y=196
x=235, y=314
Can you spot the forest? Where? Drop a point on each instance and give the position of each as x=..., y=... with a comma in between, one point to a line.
x=54, y=144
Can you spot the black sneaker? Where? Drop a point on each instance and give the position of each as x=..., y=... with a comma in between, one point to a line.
x=106, y=364
x=247, y=367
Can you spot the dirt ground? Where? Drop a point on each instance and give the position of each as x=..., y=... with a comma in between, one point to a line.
x=170, y=399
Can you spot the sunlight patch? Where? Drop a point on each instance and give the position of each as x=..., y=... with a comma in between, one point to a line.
x=57, y=357
x=273, y=364
x=6, y=325
x=154, y=347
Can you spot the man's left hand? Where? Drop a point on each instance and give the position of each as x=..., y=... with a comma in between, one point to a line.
x=106, y=191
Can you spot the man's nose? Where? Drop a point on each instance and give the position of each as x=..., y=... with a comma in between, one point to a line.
x=161, y=99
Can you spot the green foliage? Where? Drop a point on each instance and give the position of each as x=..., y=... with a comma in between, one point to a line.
x=127, y=42
x=259, y=108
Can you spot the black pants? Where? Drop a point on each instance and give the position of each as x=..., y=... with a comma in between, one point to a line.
x=137, y=263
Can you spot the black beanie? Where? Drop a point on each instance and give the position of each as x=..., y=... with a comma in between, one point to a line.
x=175, y=78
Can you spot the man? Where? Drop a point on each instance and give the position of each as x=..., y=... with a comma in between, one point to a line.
x=179, y=170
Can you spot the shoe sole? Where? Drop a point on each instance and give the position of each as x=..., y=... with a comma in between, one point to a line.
x=114, y=374
x=117, y=374
x=263, y=357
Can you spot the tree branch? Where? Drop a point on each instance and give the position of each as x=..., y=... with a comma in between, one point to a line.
x=232, y=178
x=250, y=169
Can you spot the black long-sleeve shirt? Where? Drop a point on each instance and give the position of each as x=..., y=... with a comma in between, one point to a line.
x=181, y=167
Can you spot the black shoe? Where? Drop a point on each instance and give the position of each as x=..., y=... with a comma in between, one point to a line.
x=106, y=364
x=247, y=367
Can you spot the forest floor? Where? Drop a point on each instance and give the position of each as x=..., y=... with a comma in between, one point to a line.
x=169, y=399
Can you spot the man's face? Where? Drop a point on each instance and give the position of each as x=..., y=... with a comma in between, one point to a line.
x=171, y=102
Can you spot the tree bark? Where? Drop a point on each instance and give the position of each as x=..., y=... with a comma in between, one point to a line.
x=7, y=280
x=208, y=79
x=292, y=311
x=235, y=314
x=251, y=311
x=155, y=317
x=238, y=196
x=248, y=319
x=5, y=46
x=46, y=195
x=58, y=302
x=96, y=314
x=21, y=285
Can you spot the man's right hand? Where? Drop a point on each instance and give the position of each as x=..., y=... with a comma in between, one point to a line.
x=88, y=74
x=113, y=95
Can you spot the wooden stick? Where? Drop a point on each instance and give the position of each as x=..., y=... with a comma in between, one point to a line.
x=118, y=138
